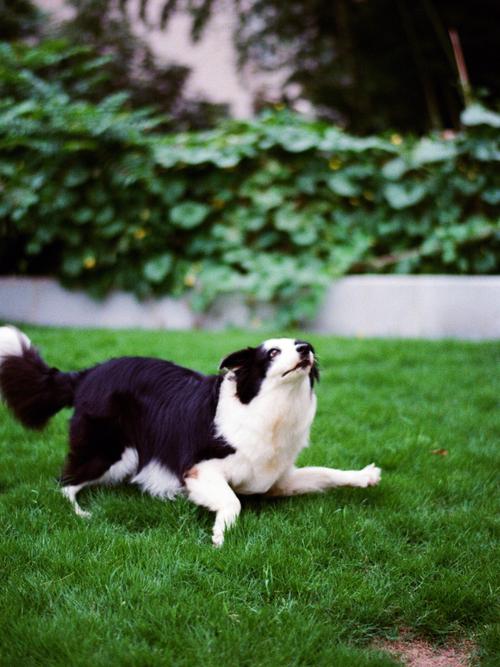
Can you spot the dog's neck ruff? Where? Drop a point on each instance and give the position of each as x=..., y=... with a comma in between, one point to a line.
x=268, y=433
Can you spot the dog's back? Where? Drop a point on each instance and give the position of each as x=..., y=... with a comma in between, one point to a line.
x=134, y=417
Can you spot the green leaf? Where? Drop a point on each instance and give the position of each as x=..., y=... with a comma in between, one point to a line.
x=269, y=198
x=491, y=196
x=157, y=268
x=295, y=139
x=189, y=214
x=171, y=191
x=75, y=177
x=486, y=151
x=226, y=160
x=305, y=236
x=343, y=185
x=476, y=114
x=395, y=169
x=113, y=229
x=403, y=195
x=287, y=219
x=432, y=150
x=166, y=155
x=72, y=265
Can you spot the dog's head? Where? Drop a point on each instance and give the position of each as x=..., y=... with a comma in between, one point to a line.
x=275, y=361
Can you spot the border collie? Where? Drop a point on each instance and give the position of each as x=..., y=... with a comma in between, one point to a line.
x=172, y=430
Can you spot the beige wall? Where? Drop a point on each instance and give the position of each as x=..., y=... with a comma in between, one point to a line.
x=214, y=74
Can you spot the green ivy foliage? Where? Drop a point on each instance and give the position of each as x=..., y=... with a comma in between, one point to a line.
x=272, y=207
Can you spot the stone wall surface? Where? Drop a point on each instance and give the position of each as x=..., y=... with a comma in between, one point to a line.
x=466, y=307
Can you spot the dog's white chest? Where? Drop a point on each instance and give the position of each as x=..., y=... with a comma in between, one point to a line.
x=268, y=433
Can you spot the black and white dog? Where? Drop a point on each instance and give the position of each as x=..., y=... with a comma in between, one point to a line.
x=172, y=430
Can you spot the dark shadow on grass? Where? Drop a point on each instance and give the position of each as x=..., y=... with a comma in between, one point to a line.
x=6, y=486
x=344, y=497
x=128, y=508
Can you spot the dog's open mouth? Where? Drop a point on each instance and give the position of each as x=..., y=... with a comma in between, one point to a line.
x=305, y=363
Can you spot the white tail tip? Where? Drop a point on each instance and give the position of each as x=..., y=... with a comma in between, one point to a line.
x=12, y=342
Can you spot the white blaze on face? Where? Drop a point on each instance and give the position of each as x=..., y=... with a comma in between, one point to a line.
x=285, y=363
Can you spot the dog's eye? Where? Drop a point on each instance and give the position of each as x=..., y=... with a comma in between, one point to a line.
x=273, y=352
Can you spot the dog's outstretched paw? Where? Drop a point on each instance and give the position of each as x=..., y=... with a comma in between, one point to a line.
x=370, y=475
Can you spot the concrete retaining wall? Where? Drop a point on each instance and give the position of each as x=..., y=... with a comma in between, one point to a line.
x=413, y=306
x=380, y=306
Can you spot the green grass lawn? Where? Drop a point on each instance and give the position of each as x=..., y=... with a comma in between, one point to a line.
x=314, y=580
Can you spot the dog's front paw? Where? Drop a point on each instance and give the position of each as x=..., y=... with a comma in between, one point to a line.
x=369, y=476
x=217, y=539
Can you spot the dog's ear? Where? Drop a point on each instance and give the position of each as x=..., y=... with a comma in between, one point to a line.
x=238, y=359
x=314, y=374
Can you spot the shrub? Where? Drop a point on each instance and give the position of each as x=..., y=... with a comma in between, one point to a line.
x=272, y=207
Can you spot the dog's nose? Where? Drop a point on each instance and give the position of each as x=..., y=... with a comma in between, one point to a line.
x=303, y=348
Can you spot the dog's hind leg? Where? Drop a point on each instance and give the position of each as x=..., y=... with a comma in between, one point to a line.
x=207, y=487
x=70, y=491
x=81, y=471
x=97, y=456
x=78, y=474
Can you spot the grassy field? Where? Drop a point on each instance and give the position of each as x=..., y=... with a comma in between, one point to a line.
x=314, y=580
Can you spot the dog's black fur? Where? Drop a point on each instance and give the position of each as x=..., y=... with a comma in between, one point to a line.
x=163, y=410
x=34, y=391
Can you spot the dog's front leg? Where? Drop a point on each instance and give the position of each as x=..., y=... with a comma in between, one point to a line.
x=313, y=479
x=207, y=487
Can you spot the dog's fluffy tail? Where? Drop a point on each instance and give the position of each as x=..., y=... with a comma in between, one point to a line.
x=32, y=391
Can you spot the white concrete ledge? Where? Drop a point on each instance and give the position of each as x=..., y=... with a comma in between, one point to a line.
x=413, y=307
x=44, y=301
x=465, y=307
